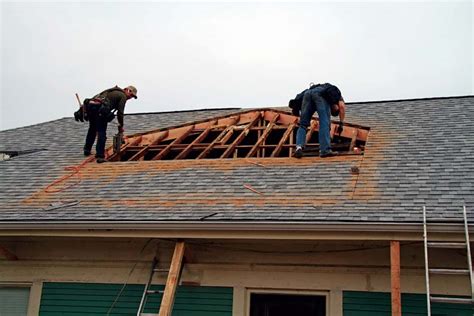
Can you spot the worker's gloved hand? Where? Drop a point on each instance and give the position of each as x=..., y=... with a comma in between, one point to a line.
x=120, y=129
x=78, y=115
x=340, y=128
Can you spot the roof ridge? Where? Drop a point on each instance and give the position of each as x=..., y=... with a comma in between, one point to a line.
x=36, y=124
x=414, y=99
x=184, y=111
x=249, y=108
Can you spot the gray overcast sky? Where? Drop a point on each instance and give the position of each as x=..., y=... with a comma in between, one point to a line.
x=204, y=55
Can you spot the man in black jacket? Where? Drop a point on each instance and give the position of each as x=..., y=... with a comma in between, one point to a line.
x=100, y=111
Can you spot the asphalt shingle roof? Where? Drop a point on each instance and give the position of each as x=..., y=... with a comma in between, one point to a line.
x=419, y=152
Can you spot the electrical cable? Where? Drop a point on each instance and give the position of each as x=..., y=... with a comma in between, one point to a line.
x=238, y=249
x=128, y=277
x=75, y=171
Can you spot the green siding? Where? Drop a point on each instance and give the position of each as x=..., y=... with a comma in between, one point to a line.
x=96, y=298
x=379, y=304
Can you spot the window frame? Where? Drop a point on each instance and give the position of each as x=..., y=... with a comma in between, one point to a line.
x=296, y=292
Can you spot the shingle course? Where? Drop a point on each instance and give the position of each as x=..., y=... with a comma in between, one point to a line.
x=419, y=152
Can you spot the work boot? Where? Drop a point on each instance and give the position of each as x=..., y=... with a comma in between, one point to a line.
x=329, y=153
x=101, y=160
x=298, y=152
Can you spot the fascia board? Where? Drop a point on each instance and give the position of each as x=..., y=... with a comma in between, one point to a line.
x=233, y=230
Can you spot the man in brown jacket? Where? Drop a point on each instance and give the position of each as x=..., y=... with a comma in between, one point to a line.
x=100, y=111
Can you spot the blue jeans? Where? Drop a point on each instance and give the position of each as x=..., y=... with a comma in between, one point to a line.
x=314, y=102
x=97, y=127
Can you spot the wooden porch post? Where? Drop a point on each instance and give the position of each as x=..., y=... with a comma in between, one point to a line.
x=167, y=301
x=395, y=278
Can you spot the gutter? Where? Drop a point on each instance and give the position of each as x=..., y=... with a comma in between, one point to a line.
x=234, y=230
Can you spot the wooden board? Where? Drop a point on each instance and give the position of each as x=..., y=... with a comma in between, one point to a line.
x=395, y=278
x=167, y=302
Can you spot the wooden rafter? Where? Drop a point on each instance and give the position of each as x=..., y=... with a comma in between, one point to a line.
x=230, y=131
x=353, y=139
x=198, y=139
x=314, y=125
x=283, y=139
x=178, y=140
x=142, y=152
x=241, y=136
x=264, y=136
x=223, y=137
x=332, y=130
x=208, y=149
x=166, y=307
x=228, y=134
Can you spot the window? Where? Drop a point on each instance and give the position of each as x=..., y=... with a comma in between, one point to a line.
x=14, y=300
x=256, y=133
x=263, y=304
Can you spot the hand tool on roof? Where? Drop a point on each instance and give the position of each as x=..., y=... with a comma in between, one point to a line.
x=118, y=142
x=80, y=115
x=78, y=100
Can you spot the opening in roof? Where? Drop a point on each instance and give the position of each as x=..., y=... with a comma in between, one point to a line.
x=257, y=133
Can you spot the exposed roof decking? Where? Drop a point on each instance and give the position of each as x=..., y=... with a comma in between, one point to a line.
x=255, y=133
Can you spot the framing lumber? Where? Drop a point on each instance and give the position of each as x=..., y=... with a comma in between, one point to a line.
x=7, y=254
x=208, y=149
x=198, y=139
x=264, y=136
x=354, y=139
x=174, y=274
x=142, y=152
x=285, y=118
x=260, y=127
x=241, y=136
x=232, y=131
x=395, y=278
x=283, y=139
x=178, y=140
x=312, y=127
x=332, y=130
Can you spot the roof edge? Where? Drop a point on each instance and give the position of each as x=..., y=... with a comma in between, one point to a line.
x=414, y=99
x=232, y=229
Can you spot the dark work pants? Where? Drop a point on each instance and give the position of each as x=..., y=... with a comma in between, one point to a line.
x=97, y=127
x=313, y=101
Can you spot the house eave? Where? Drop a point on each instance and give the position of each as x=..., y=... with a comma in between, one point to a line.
x=235, y=230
